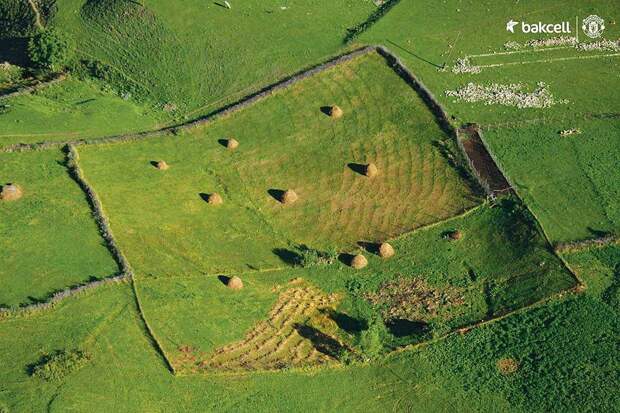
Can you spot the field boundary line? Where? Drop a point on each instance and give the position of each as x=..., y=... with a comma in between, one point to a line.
x=511, y=52
x=123, y=263
x=124, y=270
x=224, y=111
x=575, y=290
x=551, y=60
x=148, y=331
x=579, y=282
x=370, y=21
x=25, y=90
x=440, y=114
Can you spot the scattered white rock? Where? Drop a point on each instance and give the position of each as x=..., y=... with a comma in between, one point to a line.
x=507, y=95
x=465, y=66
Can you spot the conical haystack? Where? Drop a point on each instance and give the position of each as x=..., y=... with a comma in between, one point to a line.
x=214, y=199
x=386, y=250
x=454, y=235
x=235, y=283
x=359, y=262
x=11, y=192
x=371, y=170
x=232, y=144
x=335, y=112
x=288, y=197
x=162, y=165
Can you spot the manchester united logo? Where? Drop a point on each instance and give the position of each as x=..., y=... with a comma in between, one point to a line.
x=593, y=26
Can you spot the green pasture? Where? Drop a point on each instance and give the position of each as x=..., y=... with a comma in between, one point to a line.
x=570, y=182
x=165, y=226
x=48, y=238
x=70, y=110
x=202, y=55
x=562, y=181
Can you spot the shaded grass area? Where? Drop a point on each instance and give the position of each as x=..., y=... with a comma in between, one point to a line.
x=49, y=240
x=165, y=226
x=69, y=110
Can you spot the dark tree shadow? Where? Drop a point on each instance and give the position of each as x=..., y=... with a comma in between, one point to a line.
x=345, y=258
x=276, y=194
x=400, y=327
x=346, y=322
x=320, y=341
x=223, y=279
x=15, y=51
x=327, y=110
x=371, y=247
x=357, y=168
x=288, y=256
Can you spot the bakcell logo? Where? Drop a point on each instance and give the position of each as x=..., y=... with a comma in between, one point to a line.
x=540, y=27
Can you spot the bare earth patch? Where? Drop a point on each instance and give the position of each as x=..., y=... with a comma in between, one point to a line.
x=413, y=299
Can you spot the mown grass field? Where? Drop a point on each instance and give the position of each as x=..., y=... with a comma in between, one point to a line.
x=561, y=184
x=199, y=321
x=48, y=238
x=287, y=142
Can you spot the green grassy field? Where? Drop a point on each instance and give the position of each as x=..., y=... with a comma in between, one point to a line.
x=48, y=238
x=556, y=171
x=70, y=110
x=192, y=317
x=166, y=227
x=475, y=312
x=228, y=52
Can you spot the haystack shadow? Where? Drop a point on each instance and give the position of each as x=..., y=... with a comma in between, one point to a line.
x=277, y=194
x=358, y=168
x=327, y=110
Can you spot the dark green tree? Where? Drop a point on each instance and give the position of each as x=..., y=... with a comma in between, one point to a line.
x=50, y=50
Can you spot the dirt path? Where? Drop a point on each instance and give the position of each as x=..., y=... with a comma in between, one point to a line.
x=37, y=14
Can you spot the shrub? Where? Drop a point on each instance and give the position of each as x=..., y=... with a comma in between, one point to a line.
x=59, y=364
x=309, y=257
x=370, y=341
x=50, y=50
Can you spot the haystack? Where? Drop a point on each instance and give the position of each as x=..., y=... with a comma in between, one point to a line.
x=288, y=197
x=335, y=112
x=235, y=283
x=11, y=192
x=162, y=165
x=386, y=250
x=359, y=261
x=232, y=144
x=214, y=199
x=454, y=235
x=371, y=170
